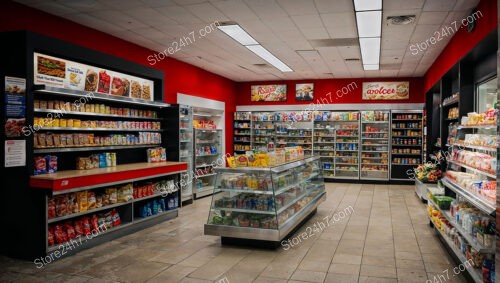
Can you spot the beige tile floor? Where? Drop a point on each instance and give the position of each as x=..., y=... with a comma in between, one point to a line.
x=386, y=238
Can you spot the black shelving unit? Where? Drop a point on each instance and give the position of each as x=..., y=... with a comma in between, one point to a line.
x=242, y=130
x=406, y=142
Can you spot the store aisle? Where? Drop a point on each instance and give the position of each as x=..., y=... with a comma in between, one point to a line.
x=363, y=233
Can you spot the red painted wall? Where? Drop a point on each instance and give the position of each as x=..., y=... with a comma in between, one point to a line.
x=462, y=42
x=329, y=91
x=179, y=76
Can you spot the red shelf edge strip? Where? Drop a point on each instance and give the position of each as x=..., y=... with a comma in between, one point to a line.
x=76, y=182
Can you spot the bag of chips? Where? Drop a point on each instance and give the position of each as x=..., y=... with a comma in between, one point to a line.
x=91, y=200
x=82, y=201
x=70, y=231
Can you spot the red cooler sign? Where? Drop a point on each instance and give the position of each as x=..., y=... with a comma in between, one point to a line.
x=386, y=90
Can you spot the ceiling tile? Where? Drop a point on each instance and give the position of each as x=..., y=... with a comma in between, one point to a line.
x=236, y=10
x=119, y=19
x=159, y=3
x=207, y=12
x=441, y=5
x=337, y=6
x=424, y=32
x=339, y=19
x=179, y=14
x=432, y=18
x=149, y=16
x=84, y=6
x=465, y=5
x=55, y=8
x=280, y=23
x=98, y=24
x=342, y=32
x=315, y=33
x=403, y=4
x=349, y=52
x=308, y=21
x=266, y=9
x=298, y=7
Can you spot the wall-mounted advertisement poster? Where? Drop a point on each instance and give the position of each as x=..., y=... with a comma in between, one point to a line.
x=304, y=92
x=268, y=92
x=386, y=90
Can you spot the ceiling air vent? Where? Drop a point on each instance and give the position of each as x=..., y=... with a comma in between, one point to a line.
x=261, y=65
x=334, y=42
x=352, y=59
x=401, y=20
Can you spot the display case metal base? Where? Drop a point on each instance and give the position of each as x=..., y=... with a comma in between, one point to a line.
x=273, y=235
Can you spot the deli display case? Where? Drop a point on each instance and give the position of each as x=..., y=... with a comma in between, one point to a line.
x=265, y=203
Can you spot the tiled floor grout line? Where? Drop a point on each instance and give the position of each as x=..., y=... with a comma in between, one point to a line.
x=366, y=233
x=393, y=236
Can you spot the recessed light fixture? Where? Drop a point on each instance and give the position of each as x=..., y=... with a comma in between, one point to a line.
x=369, y=23
x=237, y=33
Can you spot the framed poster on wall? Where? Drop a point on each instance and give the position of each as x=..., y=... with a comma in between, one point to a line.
x=304, y=92
x=268, y=92
x=386, y=90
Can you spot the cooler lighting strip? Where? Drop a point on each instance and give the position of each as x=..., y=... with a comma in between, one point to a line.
x=242, y=37
x=369, y=24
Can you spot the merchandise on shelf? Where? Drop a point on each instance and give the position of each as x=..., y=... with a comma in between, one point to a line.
x=336, y=116
x=158, y=154
x=51, y=140
x=101, y=160
x=451, y=98
x=241, y=125
x=477, y=140
x=481, y=161
x=242, y=115
x=206, y=150
x=407, y=141
x=405, y=151
x=489, y=117
x=93, y=124
x=406, y=125
x=428, y=173
x=302, y=116
x=45, y=164
x=65, y=106
x=475, y=184
x=204, y=124
x=242, y=147
x=453, y=113
x=263, y=116
x=374, y=116
x=408, y=117
x=83, y=226
x=158, y=206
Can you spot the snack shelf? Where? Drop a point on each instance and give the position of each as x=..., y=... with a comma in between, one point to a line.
x=375, y=122
x=242, y=134
x=374, y=144
x=474, y=273
x=412, y=154
x=242, y=141
x=92, y=114
x=474, y=244
x=475, y=170
x=211, y=154
x=367, y=138
x=483, y=205
x=452, y=101
x=97, y=129
x=411, y=120
x=204, y=165
x=66, y=181
x=409, y=145
x=168, y=212
x=73, y=215
x=245, y=191
x=43, y=89
x=207, y=130
x=414, y=129
x=484, y=148
x=373, y=164
x=90, y=148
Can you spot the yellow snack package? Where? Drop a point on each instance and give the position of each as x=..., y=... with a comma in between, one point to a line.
x=231, y=162
x=241, y=161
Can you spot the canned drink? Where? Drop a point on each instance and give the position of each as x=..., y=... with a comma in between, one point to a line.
x=108, y=159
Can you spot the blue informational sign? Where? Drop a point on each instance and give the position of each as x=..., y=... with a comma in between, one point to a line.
x=15, y=105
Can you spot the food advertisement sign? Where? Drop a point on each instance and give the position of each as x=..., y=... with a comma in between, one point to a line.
x=56, y=72
x=386, y=90
x=268, y=92
x=304, y=91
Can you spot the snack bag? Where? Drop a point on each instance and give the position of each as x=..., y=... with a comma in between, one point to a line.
x=91, y=200
x=70, y=231
x=79, y=227
x=113, y=198
x=115, y=216
x=82, y=201
x=98, y=201
x=242, y=161
x=50, y=236
x=109, y=220
x=72, y=203
x=94, y=223
x=59, y=235
x=51, y=208
x=62, y=205
x=86, y=226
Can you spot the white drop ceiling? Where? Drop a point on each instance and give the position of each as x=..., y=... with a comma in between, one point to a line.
x=287, y=28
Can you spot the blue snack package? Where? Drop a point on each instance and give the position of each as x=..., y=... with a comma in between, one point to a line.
x=102, y=160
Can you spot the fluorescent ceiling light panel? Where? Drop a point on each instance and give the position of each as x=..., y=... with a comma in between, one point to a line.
x=367, y=5
x=370, y=50
x=368, y=67
x=269, y=57
x=369, y=23
x=238, y=34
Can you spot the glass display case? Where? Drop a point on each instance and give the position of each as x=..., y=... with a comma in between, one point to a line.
x=265, y=203
x=375, y=145
x=186, y=149
x=207, y=151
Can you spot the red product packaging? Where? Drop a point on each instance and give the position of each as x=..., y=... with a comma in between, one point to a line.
x=86, y=226
x=116, y=218
x=104, y=82
x=70, y=230
x=59, y=235
x=40, y=165
x=50, y=236
x=62, y=206
x=79, y=227
x=95, y=223
x=51, y=208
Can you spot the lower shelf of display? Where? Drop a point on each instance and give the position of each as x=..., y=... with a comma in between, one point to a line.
x=474, y=273
x=286, y=188
x=205, y=175
x=345, y=170
x=84, y=239
x=252, y=211
x=402, y=164
x=375, y=164
x=475, y=200
x=203, y=155
x=412, y=154
x=373, y=170
x=283, y=208
x=258, y=192
x=351, y=164
x=204, y=189
x=491, y=175
x=462, y=232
